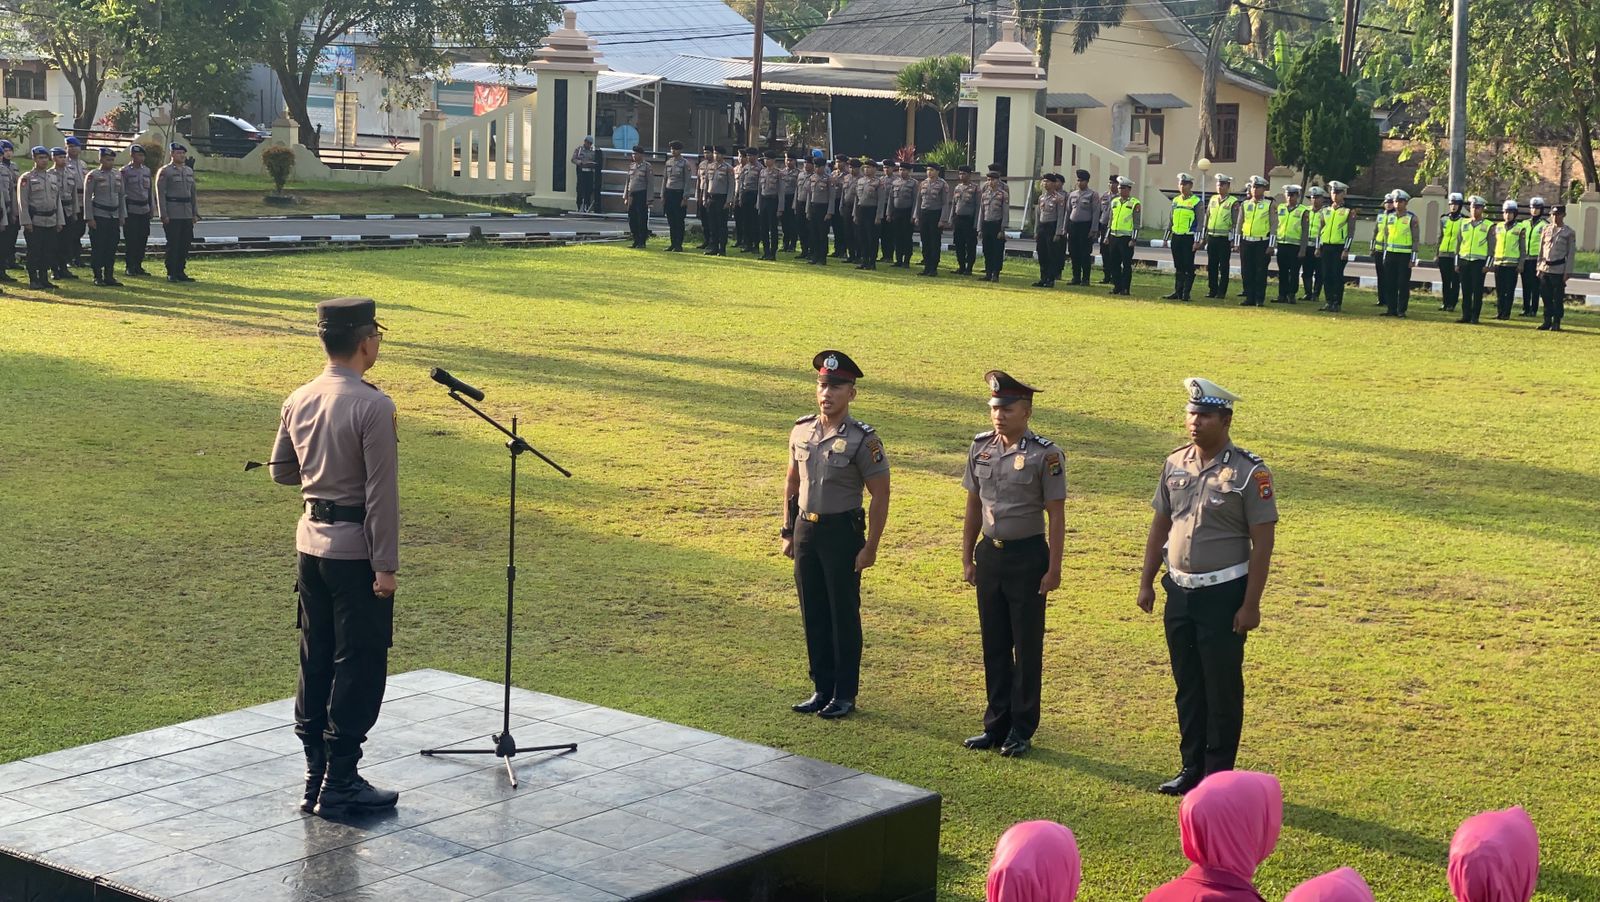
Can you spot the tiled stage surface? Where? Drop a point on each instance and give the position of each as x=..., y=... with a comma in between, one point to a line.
x=205, y=810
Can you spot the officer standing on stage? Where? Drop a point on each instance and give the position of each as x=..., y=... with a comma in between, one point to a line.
x=336, y=441
x=933, y=213
x=1534, y=225
x=107, y=210
x=1181, y=227
x=136, y=188
x=1333, y=246
x=1257, y=223
x=1046, y=228
x=677, y=179
x=1081, y=222
x=903, y=214
x=179, y=209
x=771, y=189
x=39, y=210
x=718, y=183
x=1215, y=520
x=1474, y=257
x=1400, y=253
x=964, y=220
x=832, y=457
x=1449, y=248
x=583, y=157
x=1124, y=217
x=1311, y=258
x=994, y=204
x=1293, y=233
x=1222, y=222
x=1015, y=479
x=637, y=190
x=8, y=208
x=71, y=197
x=1508, y=244
x=871, y=196
x=1558, y=243
x=76, y=218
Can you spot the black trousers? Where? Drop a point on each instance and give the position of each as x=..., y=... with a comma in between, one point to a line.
x=994, y=246
x=787, y=220
x=1530, y=287
x=1182, y=265
x=67, y=246
x=672, y=204
x=1397, y=269
x=767, y=212
x=1382, y=274
x=585, y=187
x=8, y=243
x=901, y=219
x=817, y=219
x=77, y=226
x=1105, y=274
x=1044, y=250
x=1080, y=247
x=1208, y=668
x=1472, y=272
x=1219, y=258
x=42, y=243
x=135, y=237
x=103, y=246
x=596, y=190
x=1553, y=289
x=1253, y=257
x=1311, y=274
x=1288, y=272
x=866, y=235
x=639, y=217
x=1450, y=280
x=1011, y=622
x=1333, y=274
x=717, y=222
x=180, y=234
x=345, y=635
x=747, y=214
x=964, y=237
x=841, y=232
x=830, y=600
x=932, y=239
x=1505, y=288
x=1120, y=261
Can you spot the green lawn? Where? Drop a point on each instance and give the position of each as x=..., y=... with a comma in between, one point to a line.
x=1429, y=646
x=227, y=194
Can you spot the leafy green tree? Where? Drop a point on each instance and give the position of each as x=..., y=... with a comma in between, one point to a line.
x=190, y=54
x=1316, y=122
x=933, y=82
x=787, y=21
x=74, y=35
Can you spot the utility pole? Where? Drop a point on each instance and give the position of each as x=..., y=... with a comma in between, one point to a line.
x=1347, y=41
x=1458, y=98
x=753, y=122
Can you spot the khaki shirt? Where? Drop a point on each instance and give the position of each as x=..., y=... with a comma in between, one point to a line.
x=703, y=174
x=993, y=202
x=749, y=178
x=103, y=197
x=1083, y=206
x=845, y=187
x=638, y=178
x=834, y=465
x=175, y=193
x=903, y=192
x=771, y=181
x=1014, y=483
x=39, y=199
x=790, y=176
x=136, y=189
x=721, y=178
x=869, y=191
x=1557, y=244
x=964, y=199
x=1212, y=509
x=933, y=196
x=70, y=196
x=1050, y=204
x=77, y=169
x=678, y=175
x=583, y=157
x=337, y=433
x=818, y=190
x=8, y=190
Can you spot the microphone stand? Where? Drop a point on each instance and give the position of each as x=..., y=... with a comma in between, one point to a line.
x=505, y=747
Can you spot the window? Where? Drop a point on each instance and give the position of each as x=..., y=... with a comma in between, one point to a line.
x=1066, y=117
x=1225, y=134
x=24, y=84
x=1149, y=127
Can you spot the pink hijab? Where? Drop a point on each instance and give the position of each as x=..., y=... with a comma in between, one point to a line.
x=1494, y=857
x=1035, y=861
x=1343, y=885
x=1231, y=821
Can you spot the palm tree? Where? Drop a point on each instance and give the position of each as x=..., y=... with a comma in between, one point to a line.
x=933, y=82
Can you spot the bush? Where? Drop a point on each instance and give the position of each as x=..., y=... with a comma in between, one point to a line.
x=155, y=154
x=278, y=160
x=948, y=154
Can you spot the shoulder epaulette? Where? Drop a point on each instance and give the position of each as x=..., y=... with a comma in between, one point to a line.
x=865, y=427
x=983, y=435
x=1252, y=456
x=1181, y=447
x=1043, y=441
x=805, y=419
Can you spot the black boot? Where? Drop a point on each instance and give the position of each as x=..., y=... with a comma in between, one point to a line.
x=316, y=767
x=345, y=792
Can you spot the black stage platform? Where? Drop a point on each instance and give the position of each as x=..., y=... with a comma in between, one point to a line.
x=205, y=811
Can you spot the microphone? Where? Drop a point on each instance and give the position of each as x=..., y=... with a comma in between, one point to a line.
x=444, y=378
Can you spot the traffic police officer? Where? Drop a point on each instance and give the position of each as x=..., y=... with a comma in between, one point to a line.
x=677, y=179
x=1534, y=226
x=1082, y=221
x=1380, y=244
x=1215, y=518
x=637, y=190
x=1292, y=234
x=71, y=197
x=336, y=441
x=994, y=203
x=39, y=211
x=1311, y=258
x=1557, y=245
x=8, y=203
x=1400, y=253
x=933, y=214
x=136, y=184
x=1474, y=258
x=1333, y=246
x=1181, y=226
x=1015, y=479
x=179, y=209
x=106, y=207
x=1254, y=236
x=1449, y=247
x=1508, y=247
x=1124, y=217
x=832, y=456
x=964, y=220
x=1222, y=220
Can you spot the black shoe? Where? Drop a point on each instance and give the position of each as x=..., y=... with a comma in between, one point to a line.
x=344, y=792
x=1556, y=328
x=316, y=768
x=1041, y=284
x=110, y=282
x=1187, y=779
x=173, y=279
x=185, y=277
x=99, y=281
x=1544, y=327
x=1463, y=320
x=1247, y=303
x=980, y=742
x=837, y=708
x=812, y=705
x=66, y=274
x=6, y=277
x=711, y=253
x=1015, y=746
x=1175, y=296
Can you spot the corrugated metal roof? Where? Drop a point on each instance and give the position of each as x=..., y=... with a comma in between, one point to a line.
x=632, y=33
x=706, y=72
x=824, y=80
x=922, y=33
x=618, y=82
x=1070, y=101
x=1159, y=101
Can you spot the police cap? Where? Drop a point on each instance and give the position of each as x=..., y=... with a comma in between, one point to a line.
x=74, y=141
x=107, y=152
x=347, y=313
x=136, y=149
x=1082, y=174
x=836, y=368
x=7, y=145
x=1205, y=395
x=1456, y=198
x=58, y=151
x=1005, y=389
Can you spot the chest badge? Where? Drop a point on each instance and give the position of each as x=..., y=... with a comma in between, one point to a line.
x=1018, y=462
x=839, y=445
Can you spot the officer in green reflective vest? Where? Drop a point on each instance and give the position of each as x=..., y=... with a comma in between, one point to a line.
x=1124, y=218
x=1310, y=260
x=1380, y=237
x=1400, y=253
x=1292, y=231
x=1534, y=228
x=1449, y=246
x=1333, y=247
x=1257, y=223
x=1222, y=214
x=1181, y=227
x=1508, y=246
x=1472, y=257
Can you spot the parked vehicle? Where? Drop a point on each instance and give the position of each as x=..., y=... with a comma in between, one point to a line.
x=227, y=136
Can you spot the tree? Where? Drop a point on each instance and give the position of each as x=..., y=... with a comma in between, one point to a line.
x=190, y=53
x=1086, y=17
x=933, y=82
x=75, y=35
x=787, y=21
x=1316, y=122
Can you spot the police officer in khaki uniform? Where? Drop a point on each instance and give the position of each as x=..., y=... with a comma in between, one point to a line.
x=1558, y=243
x=902, y=214
x=71, y=197
x=933, y=213
x=677, y=180
x=586, y=160
x=719, y=183
x=964, y=220
x=336, y=441
x=844, y=220
x=136, y=184
x=1014, y=478
x=76, y=227
x=820, y=201
x=1081, y=223
x=8, y=202
x=871, y=194
x=994, y=204
x=39, y=210
x=832, y=456
x=1046, y=230
x=107, y=210
x=771, y=189
x=702, y=172
x=1215, y=515
x=178, y=209
x=637, y=190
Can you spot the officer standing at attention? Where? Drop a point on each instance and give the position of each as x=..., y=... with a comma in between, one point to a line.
x=903, y=215
x=702, y=175
x=933, y=213
x=844, y=228
x=583, y=157
x=734, y=198
x=1557, y=245
x=1180, y=237
x=1083, y=219
x=1449, y=247
x=964, y=220
x=1125, y=217
x=1333, y=246
x=1215, y=520
x=677, y=178
x=1257, y=223
x=1400, y=253
x=994, y=203
x=1222, y=221
x=1508, y=246
x=749, y=199
x=76, y=221
x=1292, y=235
x=1104, y=226
x=637, y=190
x=767, y=207
x=718, y=184
x=791, y=175
x=39, y=210
x=819, y=209
x=179, y=210
x=1014, y=478
x=1311, y=257
x=1046, y=226
x=1380, y=244
x=336, y=441
x=832, y=456
x=136, y=181
x=108, y=210
x=1534, y=226
x=1475, y=249
x=8, y=208
x=886, y=226
x=871, y=195
x=71, y=197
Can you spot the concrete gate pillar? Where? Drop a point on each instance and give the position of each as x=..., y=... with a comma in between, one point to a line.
x=563, y=111
x=1008, y=83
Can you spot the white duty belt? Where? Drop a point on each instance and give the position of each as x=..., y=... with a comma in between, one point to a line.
x=1214, y=578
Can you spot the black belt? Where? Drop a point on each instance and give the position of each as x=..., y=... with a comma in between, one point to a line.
x=178, y=200
x=36, y=212
x=856, y=515
x=1561, y=262
x=328, y=512
x=1014, y=544
x=113, y=207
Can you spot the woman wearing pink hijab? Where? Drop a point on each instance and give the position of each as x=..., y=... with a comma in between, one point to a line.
x=1343, y=885
x=1494, y=857
x=1035, y=861
x=1229, y=824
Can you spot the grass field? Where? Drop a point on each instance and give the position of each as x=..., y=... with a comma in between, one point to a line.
x=227, y=194
x=1430, y=639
